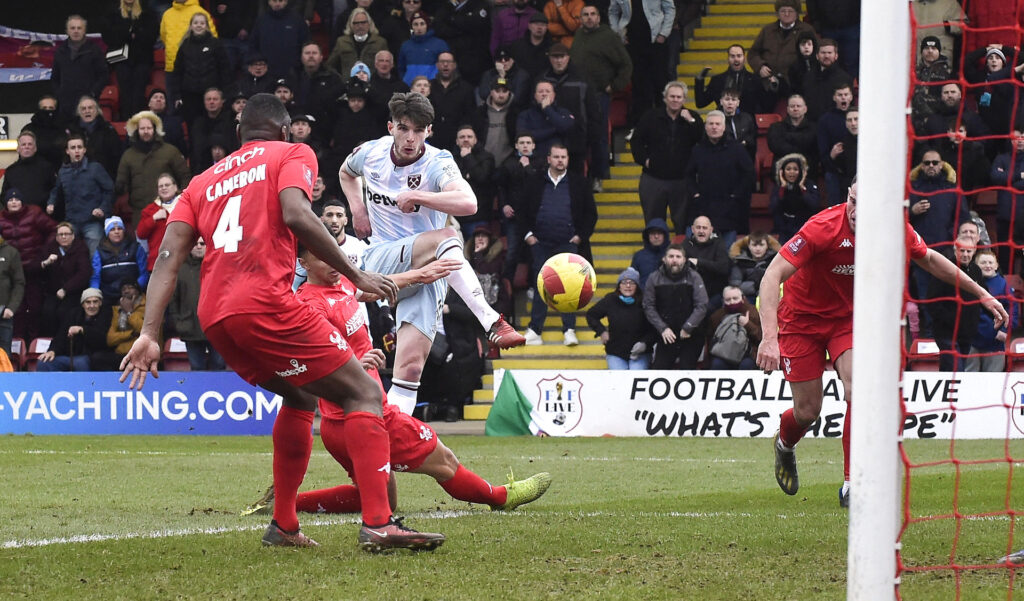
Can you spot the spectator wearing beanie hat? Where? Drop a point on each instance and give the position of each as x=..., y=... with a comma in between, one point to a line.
x=628, y=335
x=993, y=66
x=118, y=259
x=27, y=228
x=79, y=335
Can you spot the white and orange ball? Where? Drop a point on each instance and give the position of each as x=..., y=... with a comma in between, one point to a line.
x=566, y=282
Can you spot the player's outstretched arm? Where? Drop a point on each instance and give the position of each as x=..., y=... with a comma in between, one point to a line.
x=944, y=269
x=300, y=219
x=144, y=355
x=456, y=199
x=427, y=274
x=778, y=272
x=353, y=192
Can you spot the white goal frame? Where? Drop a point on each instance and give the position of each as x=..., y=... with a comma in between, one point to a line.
x=878, y=300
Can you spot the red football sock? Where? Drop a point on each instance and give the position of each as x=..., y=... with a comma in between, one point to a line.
x=293, y=442
x=789, y=431
x=370, y=451
x=467, y=486
x=846, y=442
x=340, y=499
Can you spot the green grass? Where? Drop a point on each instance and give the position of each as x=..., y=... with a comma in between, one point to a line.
x=624, y=519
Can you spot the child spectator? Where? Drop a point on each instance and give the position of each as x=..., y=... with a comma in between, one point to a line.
x=202, y=63
x=739, y=126
x=988, y=339
x=174, y=26
x=751, y=256
x=628, y=336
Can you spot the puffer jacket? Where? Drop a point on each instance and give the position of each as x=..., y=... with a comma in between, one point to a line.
x=112, y=265
x=173, y=25
x=747, y=271
x=418, y=56
x=121, y=341
x=791, y=207
x=28, y=230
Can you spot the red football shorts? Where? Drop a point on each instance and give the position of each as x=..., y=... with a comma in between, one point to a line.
x=804, y=340
x=412, y=441
x=299, y=345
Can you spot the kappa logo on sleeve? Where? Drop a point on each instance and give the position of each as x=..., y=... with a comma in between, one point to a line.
x=307, y=174
x=796, y=244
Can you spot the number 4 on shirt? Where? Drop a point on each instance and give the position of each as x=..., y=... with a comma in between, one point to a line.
x=229, y=233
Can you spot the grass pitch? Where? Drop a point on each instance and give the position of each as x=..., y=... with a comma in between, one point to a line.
x=156, y=518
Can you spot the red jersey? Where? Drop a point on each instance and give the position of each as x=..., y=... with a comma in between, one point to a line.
x=822, y=251
x=235, y=207
x=339, y=305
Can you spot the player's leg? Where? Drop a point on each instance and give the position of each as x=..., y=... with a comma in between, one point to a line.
x=844, y=367
x=411, y=349
x=293, y=442
x=446, y=243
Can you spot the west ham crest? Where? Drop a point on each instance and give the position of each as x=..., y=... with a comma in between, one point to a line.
x=414, y=181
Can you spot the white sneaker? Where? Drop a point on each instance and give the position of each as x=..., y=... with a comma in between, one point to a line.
x=569, y=337
x=533, y=338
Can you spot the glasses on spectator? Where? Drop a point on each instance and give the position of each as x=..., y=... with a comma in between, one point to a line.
x=932, y=163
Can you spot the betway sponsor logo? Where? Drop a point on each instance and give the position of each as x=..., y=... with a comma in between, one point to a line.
x=236, y=181
x=383, y=199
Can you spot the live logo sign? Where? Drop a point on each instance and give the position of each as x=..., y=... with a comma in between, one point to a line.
x=4, y=125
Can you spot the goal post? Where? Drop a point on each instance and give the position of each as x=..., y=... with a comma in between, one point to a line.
x=878, y=300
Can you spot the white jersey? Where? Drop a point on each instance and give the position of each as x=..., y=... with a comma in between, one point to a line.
x=384, y=181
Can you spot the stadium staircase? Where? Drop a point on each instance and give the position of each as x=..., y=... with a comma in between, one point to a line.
x=620, y=222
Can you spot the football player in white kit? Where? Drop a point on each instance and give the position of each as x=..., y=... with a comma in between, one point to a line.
x=409, y=190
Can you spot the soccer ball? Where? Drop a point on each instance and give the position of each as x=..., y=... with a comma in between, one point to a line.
x=566, y=282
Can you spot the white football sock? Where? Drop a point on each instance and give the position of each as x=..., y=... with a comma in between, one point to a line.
x=466, y=284
x=403, y=395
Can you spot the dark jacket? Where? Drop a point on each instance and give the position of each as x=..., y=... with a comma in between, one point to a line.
x=679, y=302
x=102, y=144
x=548, y=125
x=968, y=159
x=481, y=122
x=34, y=177
x=743, y=80
x=279, y=35
x=93, y=338
x=316, y=95
x=602, y=57
x=532, y=59
x=713, y=262
x=205, y=130
x=721, y=175
x=453, y=105
x=478, y=169
x=954, y=318
x=627, y=324
x=28, y=230
x=185, y=302
x=418, y=56
x=581, y=199
x=573, y=93
x=785, y=138
x=647, y=260
x=753, y=326
x=937, y=225
x=112, y=265
x=12, y=278
x=819, y=87
x=249, y=85
x=985, y=339
x=76, y=74
x=141, y=166
x=82, y=188
x=1008, y=172
x=467, y=29
x=71, y=271
x=140, y=34
x=666, y=142
x=513, y=177
x=831, y=129
x=791, y=206
x=202, y=63
x=1000, y=91
x=747, y=271
x=518, y=82
x=237, y=15
x=48, y=127
x=742, y=128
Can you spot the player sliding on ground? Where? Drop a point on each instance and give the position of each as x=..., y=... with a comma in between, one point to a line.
x=414, y=445
x=816, y=315
x=410, y=190
x=250, y=208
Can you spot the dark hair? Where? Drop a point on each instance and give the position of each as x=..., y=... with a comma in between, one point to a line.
x=558, y=145
x=411, y=105
x=261, y=109
x=335, y=202
x=130, y=283
x=758, y=236
x=466, y=126
x=76, y=136
x=828, y=42
x=675, y=246
x=730, y=91
x=842, y=85
x=740, y=46
x=525, y=134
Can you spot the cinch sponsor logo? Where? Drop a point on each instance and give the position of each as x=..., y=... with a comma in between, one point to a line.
x=237, y=160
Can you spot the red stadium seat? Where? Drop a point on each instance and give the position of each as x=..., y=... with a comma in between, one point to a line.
x=110, y=98
x=159, y=58
x=175, y=355
x=37, y=347
x=1015, y=355
x=923, y=355
x=121, y=128
x=765, y=120
x=18, y=349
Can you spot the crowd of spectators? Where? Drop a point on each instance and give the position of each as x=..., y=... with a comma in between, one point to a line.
x=518, y=88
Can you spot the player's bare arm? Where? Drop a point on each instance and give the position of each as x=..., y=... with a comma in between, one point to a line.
x=353, y=192
x=427, y=274
x=944, y=269
x=145, y=353
x=778, y=272
x=310, y=231
x=456, y=199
